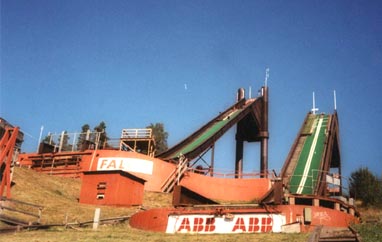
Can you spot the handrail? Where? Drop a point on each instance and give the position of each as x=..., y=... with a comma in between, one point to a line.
x=230, y=174
x=175, y=175
x=316, y=181
x=7, y=146
x=136, y=133
x=24, y=209
x=65, y=141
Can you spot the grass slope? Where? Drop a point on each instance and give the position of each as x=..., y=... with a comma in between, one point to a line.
x=371, y=228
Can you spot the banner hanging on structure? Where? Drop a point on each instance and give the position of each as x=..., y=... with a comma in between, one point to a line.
x=231, y=223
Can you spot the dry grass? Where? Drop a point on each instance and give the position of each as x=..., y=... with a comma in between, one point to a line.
x=123, y=232
x=371, y=214
x=59, y=197
x=371, y=227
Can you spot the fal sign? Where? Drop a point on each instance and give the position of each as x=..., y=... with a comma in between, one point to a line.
x=125, y=164
x=240, y=223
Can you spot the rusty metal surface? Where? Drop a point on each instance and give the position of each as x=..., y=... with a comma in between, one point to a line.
x=185, y=197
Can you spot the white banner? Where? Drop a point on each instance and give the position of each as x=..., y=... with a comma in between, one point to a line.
x=337, y=181
x=231, y=223
x=125, y=164
x=333, y=180
x=329, y=179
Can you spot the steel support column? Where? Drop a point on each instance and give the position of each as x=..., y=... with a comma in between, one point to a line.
x=212, y=160
x=264, y=135
x=239, y=158
x=239, y=142
x=264, y=158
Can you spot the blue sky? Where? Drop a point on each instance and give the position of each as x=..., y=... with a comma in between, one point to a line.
x=67, y=63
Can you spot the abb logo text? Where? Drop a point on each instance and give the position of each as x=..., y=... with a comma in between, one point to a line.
x=237, y=224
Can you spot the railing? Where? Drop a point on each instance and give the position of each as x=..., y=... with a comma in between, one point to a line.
x=174, y=178
x=310, y=177
x=136, y=134
x=114, y=144
x=230, y=174
x=72, y=141
x=19, y=213
x=332, y=181
x=65, y=141
x=7, y=156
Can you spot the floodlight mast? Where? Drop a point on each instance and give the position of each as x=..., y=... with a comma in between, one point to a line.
x=335, y=100
x=314, y=109
x=39, y=139
x=266, y=77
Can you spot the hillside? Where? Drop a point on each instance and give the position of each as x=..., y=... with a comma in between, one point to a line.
x=59, y=196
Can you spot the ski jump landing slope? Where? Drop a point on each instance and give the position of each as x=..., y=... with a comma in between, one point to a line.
x=314, y=152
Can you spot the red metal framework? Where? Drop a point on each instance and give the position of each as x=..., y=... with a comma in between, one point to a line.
x=7, y=145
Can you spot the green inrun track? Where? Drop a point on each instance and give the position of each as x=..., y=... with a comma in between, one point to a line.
x=218, y=125
x=303, y=180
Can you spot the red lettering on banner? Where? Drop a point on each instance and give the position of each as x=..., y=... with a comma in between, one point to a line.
x=253, y=225
x=198, y=225
x=210, y=225
x=239, y=225
x=266, y=224
x=185, y=225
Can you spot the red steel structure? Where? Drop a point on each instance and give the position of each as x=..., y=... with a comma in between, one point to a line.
x=7, y=146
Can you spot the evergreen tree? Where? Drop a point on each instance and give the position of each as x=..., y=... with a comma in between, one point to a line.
x=65, y=142
x=82, y=137
x=101, y=127
x=365, y=186
x=48, y=140
x=160, y=137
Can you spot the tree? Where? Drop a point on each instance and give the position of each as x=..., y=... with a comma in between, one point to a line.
x=160, y=137
x=82, y=137
x=65, y=141
x=101, y=127
x=365, y=186
x=48, y=140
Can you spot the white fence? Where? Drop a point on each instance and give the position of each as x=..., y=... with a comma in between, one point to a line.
x=136, y=134
x=73, y=141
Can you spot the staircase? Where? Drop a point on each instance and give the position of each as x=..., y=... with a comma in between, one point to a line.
x=174, y=178
x=294, y=158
